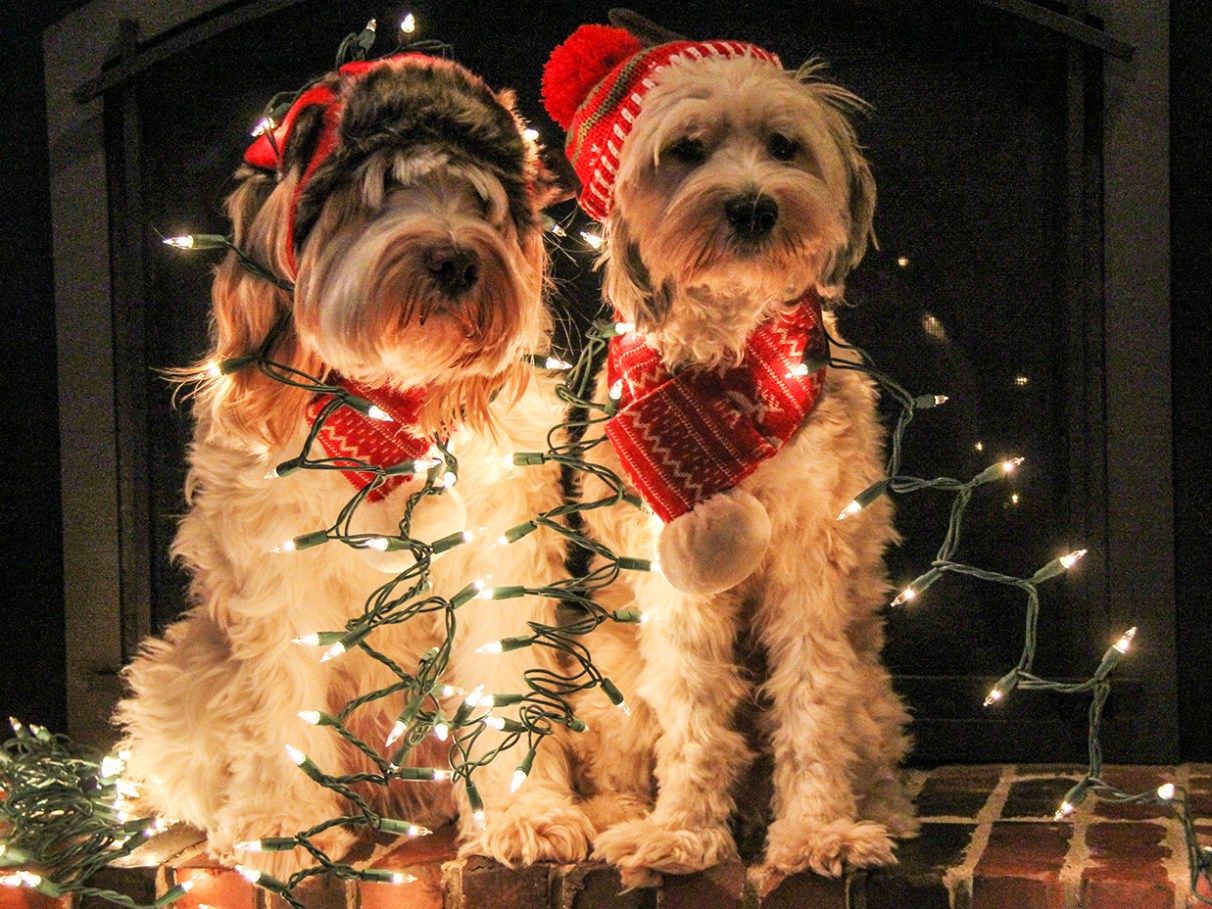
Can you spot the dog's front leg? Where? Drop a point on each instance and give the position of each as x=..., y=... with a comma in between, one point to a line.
x=818, y=733
x=691, y=683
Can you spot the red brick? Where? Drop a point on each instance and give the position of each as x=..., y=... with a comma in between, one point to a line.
x=1133, y=780
x=807, y=889
x=422, y=858
x=481, y=883
x=1199, y=794
x=1126, y=869
x=1037, y=798
x=917, y=880
x=596, y=886
x=721, y=887
x=957, y=791
x=1020, y=867
x=25, y=898
x=215, y=886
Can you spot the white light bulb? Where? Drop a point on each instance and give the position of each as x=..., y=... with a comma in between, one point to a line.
x=1072, y=559
x=519, y=777
x=592, y=240
x=112, y=765
x=399, y=877
x=496, y=722
x=1063, y=811
x=336, y=650
x=408, y=24
x=377, y=543
x=1165, y=791
x=248, y=846
x=1125, y=640
x=310, y=716
x=491, y=647
x=616, y=390
x=297, y=757
x=555, y=363
x=625, y=707
x=375, y=412
x=214, y=371
x=1009, y=465
x=530, y=134
x=252, y=875
x=185, y=242
x=798, y=371
x=288, y=546
x=308, y=640
x=994, y=696
x=624, y=328
x=908, y=595
x=441, y=731
x=850, y=510
x=396, y=731
x=473, y=698
x=264, y=125
x=478, y=817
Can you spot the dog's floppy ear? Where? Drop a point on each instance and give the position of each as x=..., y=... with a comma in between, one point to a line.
x=627, y=283
x=862, y=216
x=648, y=32
x=247, y=405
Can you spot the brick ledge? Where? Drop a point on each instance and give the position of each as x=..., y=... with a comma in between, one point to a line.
x=988, y=842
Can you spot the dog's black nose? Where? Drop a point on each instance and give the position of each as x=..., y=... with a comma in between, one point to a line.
x=752, y=216
x=454, y=270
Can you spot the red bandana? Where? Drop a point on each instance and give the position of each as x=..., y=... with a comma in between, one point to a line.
x=686, y=437
x=350, y=436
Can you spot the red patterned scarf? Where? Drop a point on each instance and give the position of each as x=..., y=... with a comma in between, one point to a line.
x=350, y=436
x=683, y=438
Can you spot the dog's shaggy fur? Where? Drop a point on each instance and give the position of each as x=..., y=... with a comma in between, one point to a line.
x=697, y=282
x=431, y=167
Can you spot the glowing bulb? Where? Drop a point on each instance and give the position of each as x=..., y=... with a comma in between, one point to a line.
x=1165, y=791
x=252, y=875
x=530, y=134
x=214, y=371
x=336, y=650
x=979, y=446
x=1014, y=498
x=1011, y=464
x=287, y=546
x=496, y=722
x=491, y=647
x=478, y=817
x=902, y=261
x=296, y=756
x=449, y=478
x=399, y=877
x=994, y=696
x=1125, y=640
x=850, y=510
x=1063, y=811
x=555, y=363
x=625, y=707
x=798, y=371
x=375, y=412
x=112, y=765
x=476, y=697
x=408, y=24
x=308, y=640
x=594, y=241
x=908, y=595
x=519, y=777
x=396, y=731
x=185, y=242
x=377, y=543
x=616, y=390
x=624, y=328
x=441, y=731
x=264, y=125
x=1022, y=381
x=312, y=717
x=1068, y=561
x=248, y=846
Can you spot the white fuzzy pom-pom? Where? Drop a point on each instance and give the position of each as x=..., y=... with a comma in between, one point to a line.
x=715, y=546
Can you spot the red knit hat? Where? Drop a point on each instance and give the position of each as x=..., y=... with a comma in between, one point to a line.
x=594, y=86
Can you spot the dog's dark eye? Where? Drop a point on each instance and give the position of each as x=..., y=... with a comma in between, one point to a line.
x=687, y=150
x=782, y=148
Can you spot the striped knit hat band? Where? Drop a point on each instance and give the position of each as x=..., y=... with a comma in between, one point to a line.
x=604, y=109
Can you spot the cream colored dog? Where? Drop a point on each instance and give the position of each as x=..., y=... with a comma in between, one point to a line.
x=402, y=200
x=735, y=199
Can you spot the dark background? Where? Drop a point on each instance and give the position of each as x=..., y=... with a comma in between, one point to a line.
x=31, y=598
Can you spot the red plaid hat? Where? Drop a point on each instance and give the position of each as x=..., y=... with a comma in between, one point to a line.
x=594, y=86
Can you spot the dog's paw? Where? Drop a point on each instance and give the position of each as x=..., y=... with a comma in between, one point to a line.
x=642, y=846
x=527, y=832
x=828, y=849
